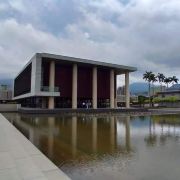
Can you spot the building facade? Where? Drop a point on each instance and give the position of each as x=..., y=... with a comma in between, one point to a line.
x=5, y=93
x=55, y=81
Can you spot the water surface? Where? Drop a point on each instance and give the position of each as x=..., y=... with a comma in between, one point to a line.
x=107, y=146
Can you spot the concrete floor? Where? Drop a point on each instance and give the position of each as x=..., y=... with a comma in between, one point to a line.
x=21, y=160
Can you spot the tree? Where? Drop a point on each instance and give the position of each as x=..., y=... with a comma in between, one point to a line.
x=149, y=77
x=167, y=81
x=160, y=78
x=174, y=79
x=141, y=100
x=153, y=80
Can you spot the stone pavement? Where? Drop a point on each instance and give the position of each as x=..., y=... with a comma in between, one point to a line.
x=21, y=160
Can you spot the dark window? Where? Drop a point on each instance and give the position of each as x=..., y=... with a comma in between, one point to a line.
x=22, y=83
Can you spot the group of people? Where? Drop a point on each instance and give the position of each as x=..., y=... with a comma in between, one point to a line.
x=86, y=105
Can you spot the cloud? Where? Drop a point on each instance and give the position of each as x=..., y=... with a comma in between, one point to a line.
x=141, y=33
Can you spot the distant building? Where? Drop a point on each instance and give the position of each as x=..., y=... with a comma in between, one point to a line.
x=174, y=90
x=166, y=94
x=175, y=87
x=55, y=81
x=121, y=97
x=5, y=93
x=121, y=90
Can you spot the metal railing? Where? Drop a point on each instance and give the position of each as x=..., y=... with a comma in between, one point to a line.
x=49, y=89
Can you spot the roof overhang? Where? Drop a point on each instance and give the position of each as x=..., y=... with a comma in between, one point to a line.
x=120, y=69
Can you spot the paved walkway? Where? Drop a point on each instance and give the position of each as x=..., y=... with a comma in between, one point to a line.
x=21, y=160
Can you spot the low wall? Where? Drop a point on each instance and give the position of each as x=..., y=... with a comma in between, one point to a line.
x=9, y=107
x=91, y=111
x=170, y=104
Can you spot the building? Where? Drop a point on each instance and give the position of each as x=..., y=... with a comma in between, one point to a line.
x=167, y=94
x=5, y=93
x=55, y=81
x=121, y=97
x=173, y=91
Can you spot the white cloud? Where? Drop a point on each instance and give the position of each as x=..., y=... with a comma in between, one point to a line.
x=3, y=6
x=141, y=33
x=18, y=5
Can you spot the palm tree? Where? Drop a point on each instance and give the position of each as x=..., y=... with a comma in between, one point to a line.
x=153, y=80
x=174, y=79
x=148, y=77
x=161, y=78
x=167, y=81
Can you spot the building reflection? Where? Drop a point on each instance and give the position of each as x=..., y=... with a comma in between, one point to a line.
x=162, y=128
x=51, y=125
x=128, y=135
x=94, y=134
x=113, y=133
x=75, y=137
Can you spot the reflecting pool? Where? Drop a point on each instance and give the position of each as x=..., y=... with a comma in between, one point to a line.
x=107, y=146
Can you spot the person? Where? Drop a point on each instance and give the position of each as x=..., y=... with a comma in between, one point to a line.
x=83, y=104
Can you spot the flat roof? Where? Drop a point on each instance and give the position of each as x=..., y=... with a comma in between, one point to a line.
x=117, y=67
x=120, y=69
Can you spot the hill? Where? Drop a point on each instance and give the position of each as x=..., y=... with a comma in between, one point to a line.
x=139, y=88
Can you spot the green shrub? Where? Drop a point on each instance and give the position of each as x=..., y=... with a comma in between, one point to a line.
x=166, y=99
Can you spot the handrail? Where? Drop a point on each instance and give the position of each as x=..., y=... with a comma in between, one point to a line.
x=49, y=89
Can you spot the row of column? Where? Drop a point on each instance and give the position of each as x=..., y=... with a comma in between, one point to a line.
x=113, y=102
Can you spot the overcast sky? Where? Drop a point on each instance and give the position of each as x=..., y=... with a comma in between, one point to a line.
x=140, y=33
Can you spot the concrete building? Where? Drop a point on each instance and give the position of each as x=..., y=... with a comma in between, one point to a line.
x=55, y=81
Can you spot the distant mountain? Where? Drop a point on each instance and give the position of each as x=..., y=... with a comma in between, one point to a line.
x=138, y=88
x=8, y=82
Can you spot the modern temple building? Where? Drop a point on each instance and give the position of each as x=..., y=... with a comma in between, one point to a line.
x=55, y=81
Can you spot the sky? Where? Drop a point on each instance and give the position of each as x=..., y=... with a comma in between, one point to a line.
x=140, y=33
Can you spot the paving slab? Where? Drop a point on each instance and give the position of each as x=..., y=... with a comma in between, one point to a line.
x=21, y=160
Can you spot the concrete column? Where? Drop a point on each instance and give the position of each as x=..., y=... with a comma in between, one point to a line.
x=36, y=76
x=115, y=88
x=74, y=86
x=51, y=103
x=51, y=83
x=112, y=88
x=127, y=90
x=52, y=75
x=94, y=88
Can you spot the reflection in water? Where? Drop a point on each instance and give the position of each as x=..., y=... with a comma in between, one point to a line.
x=94, y=134
x=74, y=135
x=112, y=133
x=128, y=138
x=49, y=132
x=151, y=139
x=103, y=147
x=51, y=125
x=165, y=124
